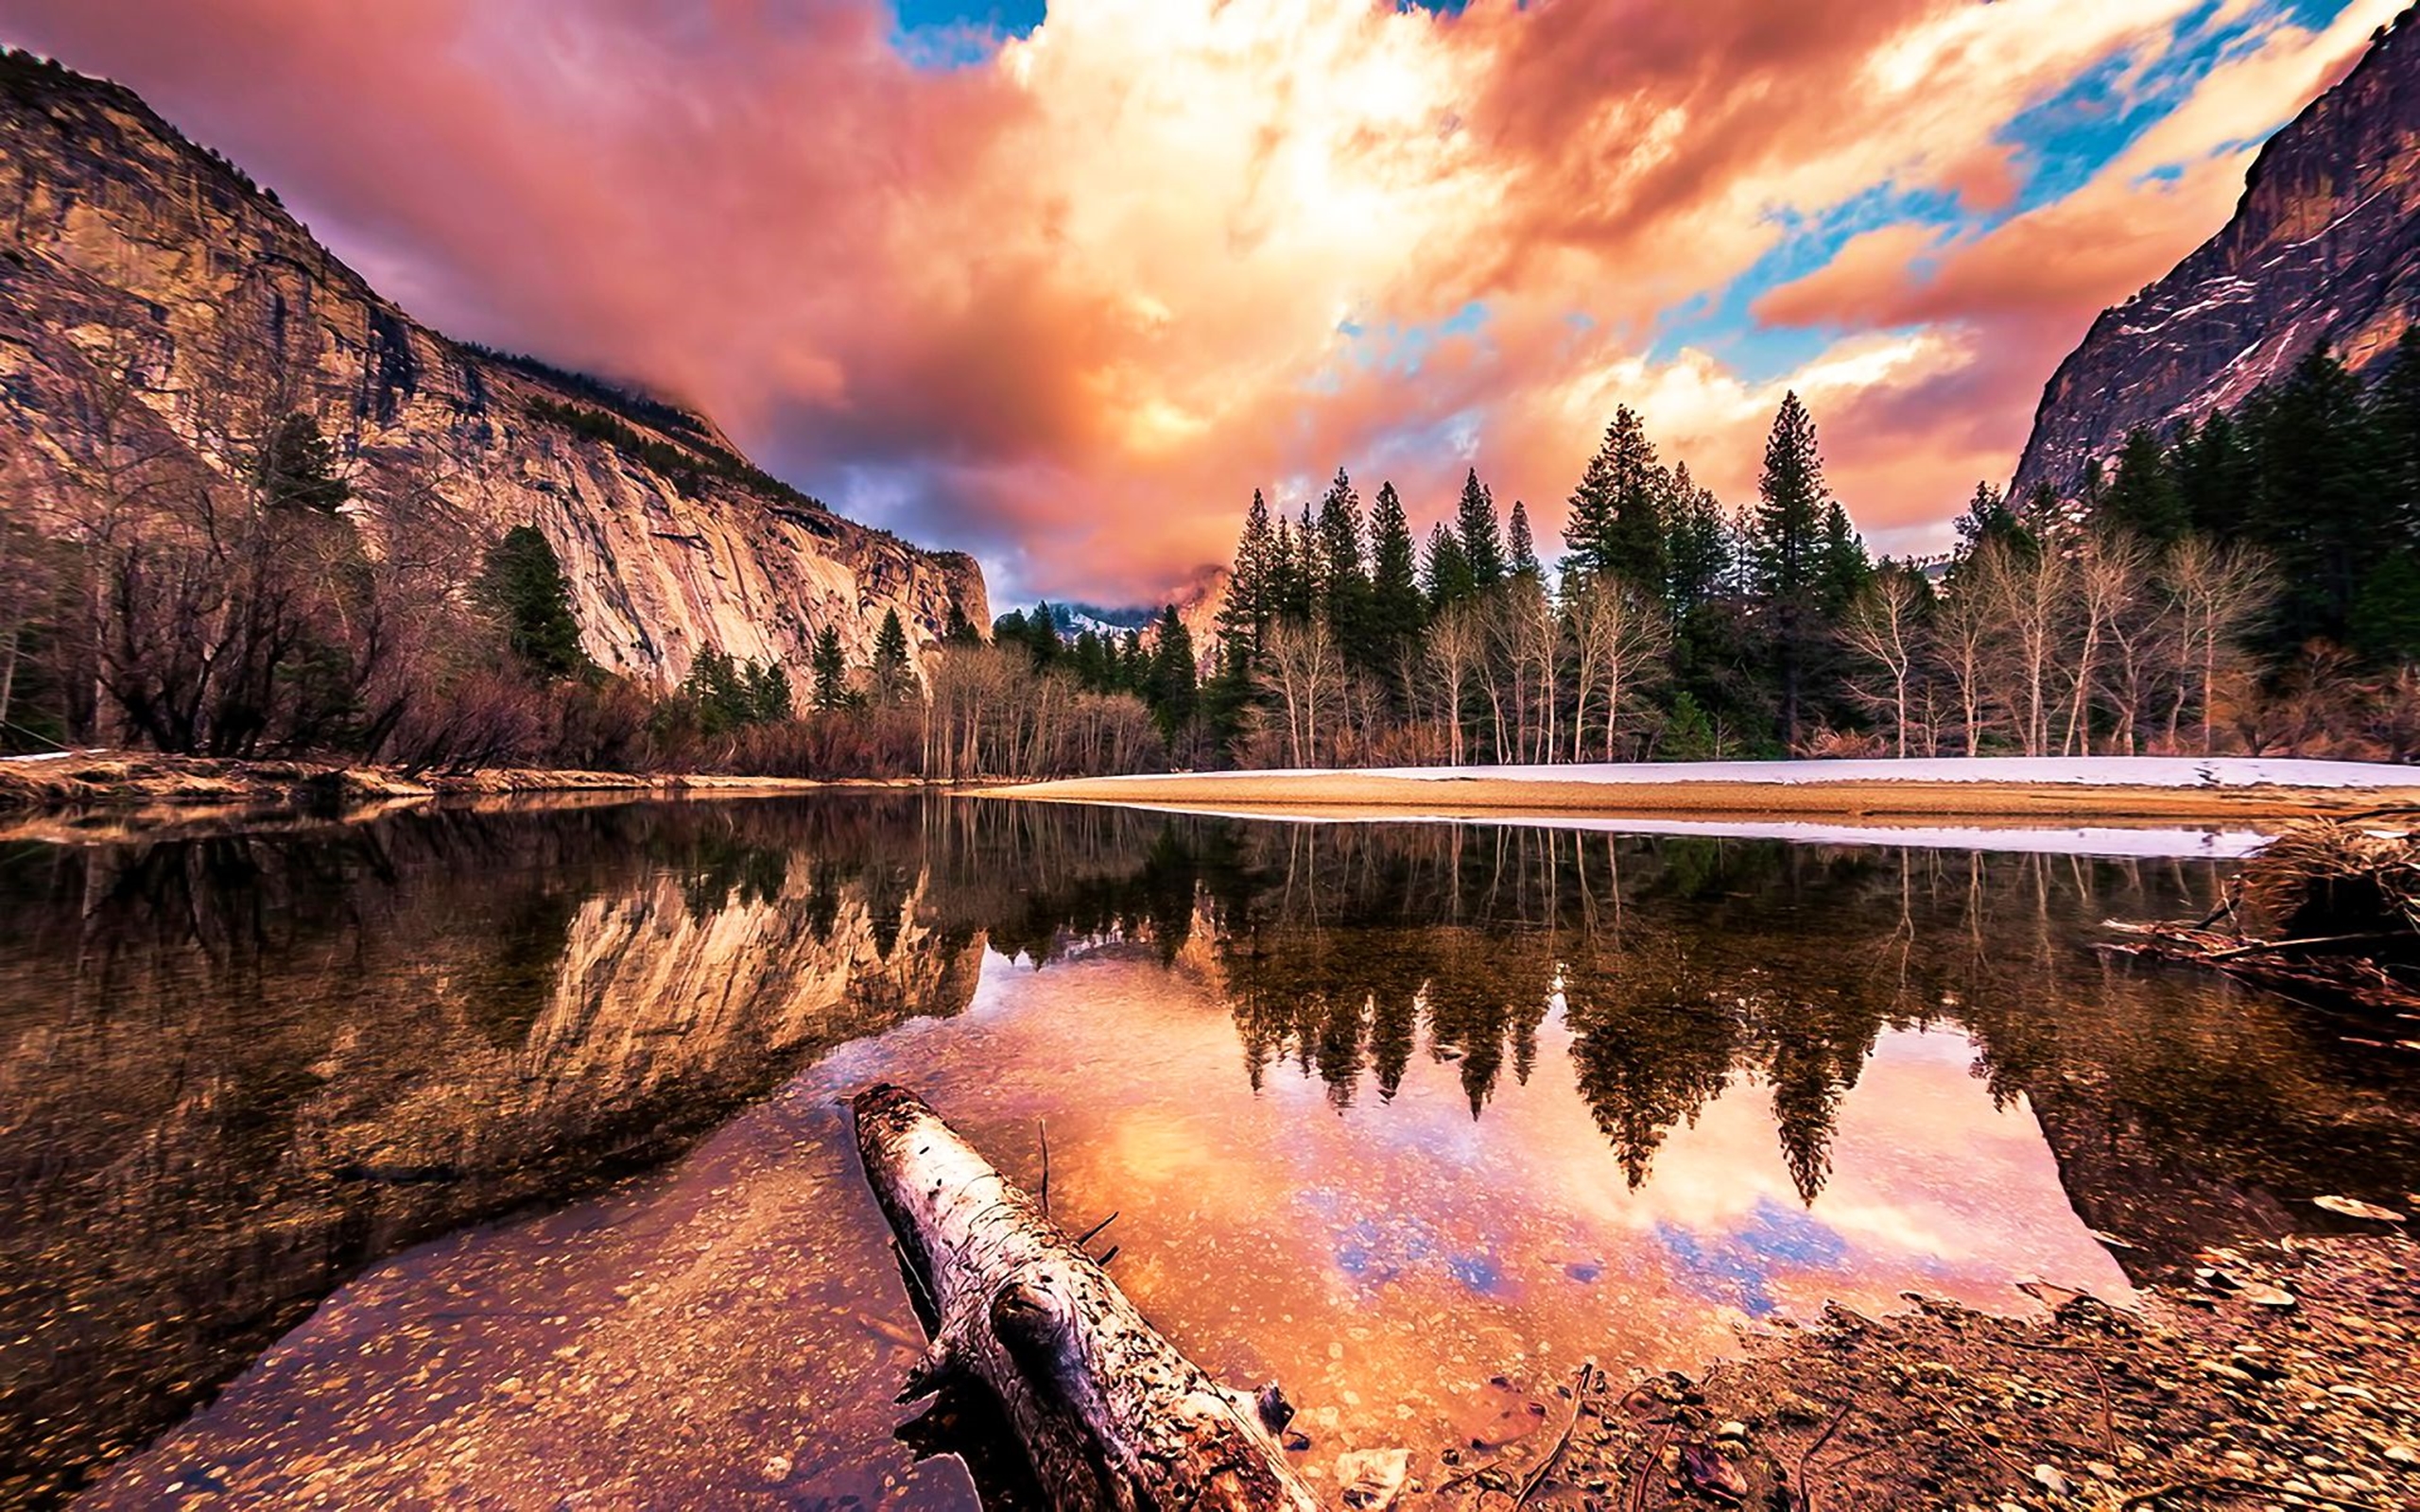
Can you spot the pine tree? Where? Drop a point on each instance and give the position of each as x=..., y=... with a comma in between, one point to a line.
x=1243, y=618
x=1449, y=568
x=1789, y=541
x=960, y=630
x=1790, y=516
x=1482, y=539
x=1987, y=519
x=1845, y=568
x=893, y=675
x=1009, y=630
x=1042, y=634
x=2215, y=477
x=1346, y=584
x=2325, y=508
x=2144, y=498
x=769, y=689
x=1697, y=550
x=1397, y=610
x=297, y=467
x=523, y=584
x=829, y=667
x=1618, y=524
x=1520, y=551
x=1171, y=690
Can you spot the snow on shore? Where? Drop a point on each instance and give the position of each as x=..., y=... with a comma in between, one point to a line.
x=2170, y=842
x=2097, y=771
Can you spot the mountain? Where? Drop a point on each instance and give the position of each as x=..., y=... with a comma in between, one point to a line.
x=2323, y=247
x=144, y=278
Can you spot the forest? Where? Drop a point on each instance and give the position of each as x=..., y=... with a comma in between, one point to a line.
x=2250, y=582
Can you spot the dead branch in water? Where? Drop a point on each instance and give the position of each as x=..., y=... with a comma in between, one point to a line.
x=2341, y=908
x=1112, y=1416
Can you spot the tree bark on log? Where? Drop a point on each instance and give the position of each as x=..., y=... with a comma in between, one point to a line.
x=1113, y=1418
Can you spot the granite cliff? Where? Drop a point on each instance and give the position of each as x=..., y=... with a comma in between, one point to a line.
x=143, y=275
x=2322, y=247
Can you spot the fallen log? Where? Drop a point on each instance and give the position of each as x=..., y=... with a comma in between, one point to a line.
x=1113, y=1417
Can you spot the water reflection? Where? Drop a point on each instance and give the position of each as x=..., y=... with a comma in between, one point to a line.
x=237, y=1067
x=1388, y=1110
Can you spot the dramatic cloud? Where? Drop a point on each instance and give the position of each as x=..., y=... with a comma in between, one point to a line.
x=1067, y=298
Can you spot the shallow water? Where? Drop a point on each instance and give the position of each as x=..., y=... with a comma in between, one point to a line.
x=1410, y=1117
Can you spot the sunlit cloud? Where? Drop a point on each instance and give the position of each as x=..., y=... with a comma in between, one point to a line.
x=1065, y=293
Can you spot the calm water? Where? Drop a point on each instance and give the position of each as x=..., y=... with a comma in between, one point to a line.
x=497, y=1159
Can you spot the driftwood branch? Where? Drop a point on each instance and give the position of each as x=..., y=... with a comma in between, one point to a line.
x=1112, y=1416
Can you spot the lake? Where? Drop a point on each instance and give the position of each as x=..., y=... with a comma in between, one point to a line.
x=498, y=1156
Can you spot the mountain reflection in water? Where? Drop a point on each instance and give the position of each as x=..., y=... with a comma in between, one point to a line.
x=1386, y=1109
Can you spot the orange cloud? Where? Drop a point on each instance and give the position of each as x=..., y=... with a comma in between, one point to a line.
x=1070, y=304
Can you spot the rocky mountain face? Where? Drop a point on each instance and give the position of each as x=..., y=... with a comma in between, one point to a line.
x=144, y=278
x=2323, y=247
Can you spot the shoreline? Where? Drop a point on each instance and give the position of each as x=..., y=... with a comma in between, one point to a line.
x=2100, y=789
x=2273, y=1372
x=87, y=795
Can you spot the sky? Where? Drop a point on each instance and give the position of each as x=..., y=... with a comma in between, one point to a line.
x=1062, y=286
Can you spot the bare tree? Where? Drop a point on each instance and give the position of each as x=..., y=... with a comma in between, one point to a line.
x=1620, y=642
x=1310, y=676
x=1457, y=643
x=1884, y=626
x=2220, y=592
x=1966, y=641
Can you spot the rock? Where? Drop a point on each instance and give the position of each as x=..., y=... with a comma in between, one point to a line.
x=2324, y=248
x=2052, y=1479
x=1704, y=1469
x=2355, y=1208
x=1372, y=1479
x=672, y=541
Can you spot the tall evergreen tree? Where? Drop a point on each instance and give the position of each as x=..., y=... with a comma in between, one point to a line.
x=2395, y=406
x=1697, y=550
x=1449, y=568
x=1397, y=611
x=893, y=680
x=1789, y=542
x=2143, y=499
x=829, y=666
x=1042, y=634
x=960, y=630
x=1171, y=686
x=523, y=584
x=1284, y=594
x=1347, y=582
x=1520, y=550
x=1482, y=538
x=1845, y=569
x=1617, y=524
x=1243, y=617
x=2326, y=509
x=2217, y=478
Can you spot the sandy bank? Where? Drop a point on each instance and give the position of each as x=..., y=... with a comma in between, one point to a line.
x=2145, y=788
x=115, y=794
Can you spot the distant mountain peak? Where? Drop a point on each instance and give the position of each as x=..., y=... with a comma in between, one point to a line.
x=2324, y=248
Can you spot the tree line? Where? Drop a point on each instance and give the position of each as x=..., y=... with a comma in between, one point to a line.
x=2249, y=581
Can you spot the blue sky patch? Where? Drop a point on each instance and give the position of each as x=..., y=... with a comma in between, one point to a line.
x=943, y=34
x=2059, y=143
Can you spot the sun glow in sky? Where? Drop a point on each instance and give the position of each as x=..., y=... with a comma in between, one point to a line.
x=1064, y=287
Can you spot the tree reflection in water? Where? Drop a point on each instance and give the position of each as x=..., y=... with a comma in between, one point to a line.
x=240, y=1067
